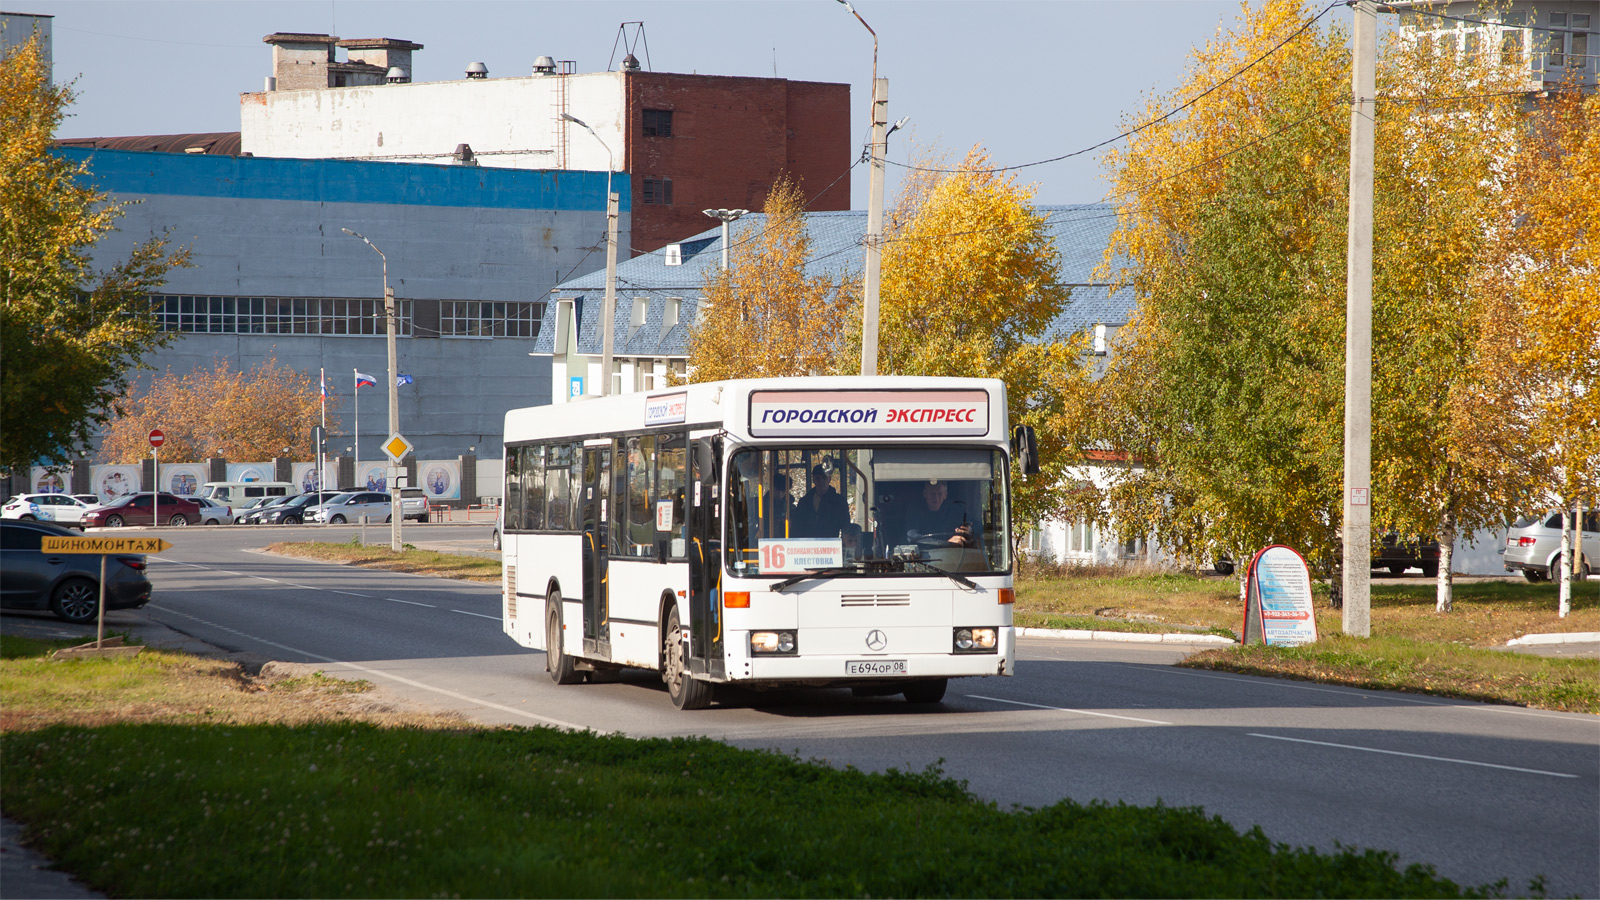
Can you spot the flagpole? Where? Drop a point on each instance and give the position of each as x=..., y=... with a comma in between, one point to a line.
x=355, y=400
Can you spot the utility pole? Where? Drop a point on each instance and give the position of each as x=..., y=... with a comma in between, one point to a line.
x=1357, y=575
x=869, y=279
x=609, y=311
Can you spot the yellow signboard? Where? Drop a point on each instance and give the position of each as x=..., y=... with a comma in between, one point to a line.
x=105, y=545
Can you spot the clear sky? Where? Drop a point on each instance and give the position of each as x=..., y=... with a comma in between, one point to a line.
x=1028, y=80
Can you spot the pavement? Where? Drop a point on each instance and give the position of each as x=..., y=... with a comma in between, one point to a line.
x=26, y=873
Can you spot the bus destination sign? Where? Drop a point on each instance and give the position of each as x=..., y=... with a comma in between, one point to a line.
x=949, y=413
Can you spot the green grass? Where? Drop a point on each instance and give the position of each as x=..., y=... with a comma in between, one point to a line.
x=350, y=810
x=1424, y=667
x=409, y=559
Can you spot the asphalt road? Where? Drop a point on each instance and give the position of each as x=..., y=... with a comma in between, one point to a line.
x=1480, y=791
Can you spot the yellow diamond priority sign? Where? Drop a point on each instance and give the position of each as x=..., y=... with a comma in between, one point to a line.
x=397, y=447
x=105, y=545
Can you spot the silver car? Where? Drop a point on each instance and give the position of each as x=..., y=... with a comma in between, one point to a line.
x=1534, y=545
x=350, y=506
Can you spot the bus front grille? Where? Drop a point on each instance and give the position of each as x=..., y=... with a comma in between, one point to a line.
x=849, y=601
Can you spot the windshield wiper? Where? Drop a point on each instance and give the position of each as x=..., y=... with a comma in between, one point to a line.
x=958, y=579
x=813, y=573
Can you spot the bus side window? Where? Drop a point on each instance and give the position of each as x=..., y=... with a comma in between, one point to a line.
x=513, y=496
x=558, y=487
x=533, y=488
x=641, y=517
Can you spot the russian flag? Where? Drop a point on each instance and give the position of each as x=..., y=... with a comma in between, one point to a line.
x=365, y=381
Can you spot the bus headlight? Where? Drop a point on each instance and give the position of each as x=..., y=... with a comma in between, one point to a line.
x=976, y=640
x=766, y=643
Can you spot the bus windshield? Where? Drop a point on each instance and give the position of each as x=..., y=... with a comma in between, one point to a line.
x=867, y=510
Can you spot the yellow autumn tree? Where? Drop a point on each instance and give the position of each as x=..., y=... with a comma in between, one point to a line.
x=220, y=411
x=970, y=287
x=764, y=316
x=1447, y=121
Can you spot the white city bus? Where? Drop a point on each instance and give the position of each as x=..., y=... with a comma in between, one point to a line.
x=817, y=532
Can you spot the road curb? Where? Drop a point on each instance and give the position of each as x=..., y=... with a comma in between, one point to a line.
x=1129, y=637
x=1566, y=637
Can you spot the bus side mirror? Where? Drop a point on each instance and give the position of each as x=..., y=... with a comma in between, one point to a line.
x=1025, y=449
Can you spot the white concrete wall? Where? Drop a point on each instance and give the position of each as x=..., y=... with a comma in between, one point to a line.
x=508, y=122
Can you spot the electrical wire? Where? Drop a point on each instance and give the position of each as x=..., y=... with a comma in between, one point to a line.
x=1150, y=124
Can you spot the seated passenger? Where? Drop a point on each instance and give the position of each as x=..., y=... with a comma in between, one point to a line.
x=777, y=509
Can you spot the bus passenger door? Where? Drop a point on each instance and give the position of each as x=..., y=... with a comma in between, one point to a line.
x=596, y=551
x=705, y=557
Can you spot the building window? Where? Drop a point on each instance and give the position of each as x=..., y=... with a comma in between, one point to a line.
x=276, y=315
x=658, y=123
x=486, y=318
x=658, y=191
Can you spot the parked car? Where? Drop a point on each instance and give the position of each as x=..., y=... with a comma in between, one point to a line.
x=1533, y=546
x=63, y=509
x=141, y=509
x=350, y=506
x=292, y=511
x=257, y=509
x=214, y=513
x=500, y=524
x=414, y=504
x=89, y=499
x=1398, y=555
x=67, y=584
x=238, y=493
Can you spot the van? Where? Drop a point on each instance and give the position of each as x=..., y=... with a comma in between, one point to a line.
x=241, y=493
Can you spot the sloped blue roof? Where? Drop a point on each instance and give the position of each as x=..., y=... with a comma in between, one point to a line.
x=1081, y=233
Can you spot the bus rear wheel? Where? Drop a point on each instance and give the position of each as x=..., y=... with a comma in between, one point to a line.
x=929, y=690
x=685, y=691
x=556, y=661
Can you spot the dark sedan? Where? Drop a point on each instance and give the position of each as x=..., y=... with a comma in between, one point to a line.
x=144, y=509
x=293, y=510
x=67, y=584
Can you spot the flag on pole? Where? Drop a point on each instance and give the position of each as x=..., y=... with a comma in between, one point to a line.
x=402, y=379
x=323, y=375
x=365, y=381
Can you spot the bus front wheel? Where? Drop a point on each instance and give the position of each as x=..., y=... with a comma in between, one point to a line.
x=685, y=691
x=927, y=691
x=556, y=660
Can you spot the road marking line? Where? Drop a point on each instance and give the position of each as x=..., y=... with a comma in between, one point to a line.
x=349, y=594
x=379, y=673
x=1084, y=712
x=1464, y=762
x=411, y=602
x=479, y=615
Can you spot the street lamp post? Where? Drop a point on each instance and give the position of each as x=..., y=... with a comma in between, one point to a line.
x=395, y=518
x=726, y=216
x=609, y=310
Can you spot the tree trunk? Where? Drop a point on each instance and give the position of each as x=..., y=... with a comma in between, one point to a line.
x=1447, y=550
x=1568, y=523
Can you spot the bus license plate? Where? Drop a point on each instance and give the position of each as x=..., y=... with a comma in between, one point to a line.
x=875, y=667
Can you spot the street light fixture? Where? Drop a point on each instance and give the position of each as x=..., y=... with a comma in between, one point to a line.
x=726, y=216
x=609, y=310
x=394, y=387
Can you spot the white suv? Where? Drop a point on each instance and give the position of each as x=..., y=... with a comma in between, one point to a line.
x=1534, y=545
x=350, y=506
x=414, y=503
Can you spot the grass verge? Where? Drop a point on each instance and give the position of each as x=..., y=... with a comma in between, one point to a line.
x=409, y=559
x=1404, y=664
x=261, y=800
x=1414, y=648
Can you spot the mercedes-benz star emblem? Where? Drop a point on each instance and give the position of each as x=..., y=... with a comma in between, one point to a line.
x=877, y=640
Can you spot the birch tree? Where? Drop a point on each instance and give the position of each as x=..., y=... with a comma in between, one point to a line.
x=764, y=316
x=72, y=336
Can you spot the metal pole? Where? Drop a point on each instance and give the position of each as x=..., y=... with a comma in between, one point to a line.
x=869, y=280
x=608, y=313
x=355, y=404
x=394, y=407
x=1357, y=575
